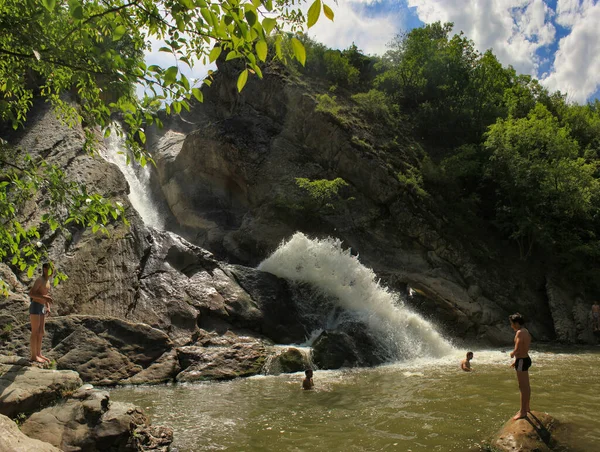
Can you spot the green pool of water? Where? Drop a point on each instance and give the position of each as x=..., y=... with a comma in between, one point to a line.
x=418, y=406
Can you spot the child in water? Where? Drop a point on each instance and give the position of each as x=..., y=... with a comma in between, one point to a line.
x=465, y=364
x=307, y=383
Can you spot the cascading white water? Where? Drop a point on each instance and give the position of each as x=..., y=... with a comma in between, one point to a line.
x=137, y=177
x=333, y=270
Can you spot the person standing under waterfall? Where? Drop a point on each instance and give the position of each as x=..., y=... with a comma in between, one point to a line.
x=39, y=307
x=522, y=362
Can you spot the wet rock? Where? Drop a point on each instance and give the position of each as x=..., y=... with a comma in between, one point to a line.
x=13, y=440
x=24, y=389
x=280, y=320
x=288, y=360
x=538, y=432
x=349, y=346
x=292, y=360
x=153, y=438
x=242, y=358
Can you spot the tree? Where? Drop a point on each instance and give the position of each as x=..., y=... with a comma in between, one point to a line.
x=94, y=50
x=546, y=191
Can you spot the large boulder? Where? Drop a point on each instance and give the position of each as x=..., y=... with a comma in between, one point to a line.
x=24, y=388
x=13, y=440
x=350, y=345
x=221, y=358
x=538, y=432
x=286, y=360
x=89, y=421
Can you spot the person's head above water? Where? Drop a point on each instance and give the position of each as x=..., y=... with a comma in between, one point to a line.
x=308, y=373
x=469, y=355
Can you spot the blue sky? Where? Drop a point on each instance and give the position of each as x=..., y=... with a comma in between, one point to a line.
x=557, y=41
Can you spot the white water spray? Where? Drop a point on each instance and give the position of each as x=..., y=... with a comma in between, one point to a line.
x=355, y=288
x=137, y=177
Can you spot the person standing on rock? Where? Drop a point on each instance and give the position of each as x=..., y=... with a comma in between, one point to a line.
x=596, y=316
x=522, y=362
x=39, y=307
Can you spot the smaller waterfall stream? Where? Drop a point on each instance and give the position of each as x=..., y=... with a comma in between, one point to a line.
x=137, y=177
x=356, y=290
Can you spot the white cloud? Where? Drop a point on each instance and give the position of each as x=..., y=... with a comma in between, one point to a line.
x=514, y=29
x=569, y=11
x=370, y=34
x=576, y=68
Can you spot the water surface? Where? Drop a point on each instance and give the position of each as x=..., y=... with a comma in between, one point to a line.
x=417, y=406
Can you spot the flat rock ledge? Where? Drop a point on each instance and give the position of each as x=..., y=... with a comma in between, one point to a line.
x=55, y=412
x=539, y=432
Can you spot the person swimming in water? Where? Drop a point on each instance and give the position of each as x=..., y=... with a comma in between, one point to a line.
x=307, y=383
x=465, y=364
x=522, y=362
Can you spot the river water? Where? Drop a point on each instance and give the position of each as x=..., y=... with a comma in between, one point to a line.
x=427, y=404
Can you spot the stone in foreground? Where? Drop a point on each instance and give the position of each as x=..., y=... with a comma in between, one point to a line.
x=12, y=440
x=535, y=433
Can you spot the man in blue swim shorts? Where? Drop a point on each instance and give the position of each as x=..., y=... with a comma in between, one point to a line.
x=39, y=307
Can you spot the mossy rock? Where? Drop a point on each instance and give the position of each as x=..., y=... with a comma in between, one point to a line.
x=292, y=360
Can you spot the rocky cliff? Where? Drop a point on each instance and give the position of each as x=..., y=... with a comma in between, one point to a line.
x=228, y=171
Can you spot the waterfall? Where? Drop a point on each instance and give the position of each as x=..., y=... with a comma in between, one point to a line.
x=357, y=294
x=137, y=177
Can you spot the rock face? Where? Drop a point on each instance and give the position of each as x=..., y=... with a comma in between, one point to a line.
x=221, y=358
x=539, y=432
x=13, y=440
x=228, y=175
x=102, y=350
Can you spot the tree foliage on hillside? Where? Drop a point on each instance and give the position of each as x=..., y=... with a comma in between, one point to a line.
x=86, y=57
x=505, y=154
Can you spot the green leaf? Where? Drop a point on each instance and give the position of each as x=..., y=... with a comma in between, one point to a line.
x=118, y=33
x=49, y=4
x=268, y=25
x=242, y=79
x=214, y=53
x=30, y=271
x=197, y=94
x=170, y=75
x=142, y=136
x=232, y=55
x=185, y=82
x=313, y=13
x=299, y=52
x=76, y=10
x=328, y=12
x=261, y=50
x=251, y=17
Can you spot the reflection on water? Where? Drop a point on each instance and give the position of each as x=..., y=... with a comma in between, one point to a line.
x=416, y=406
